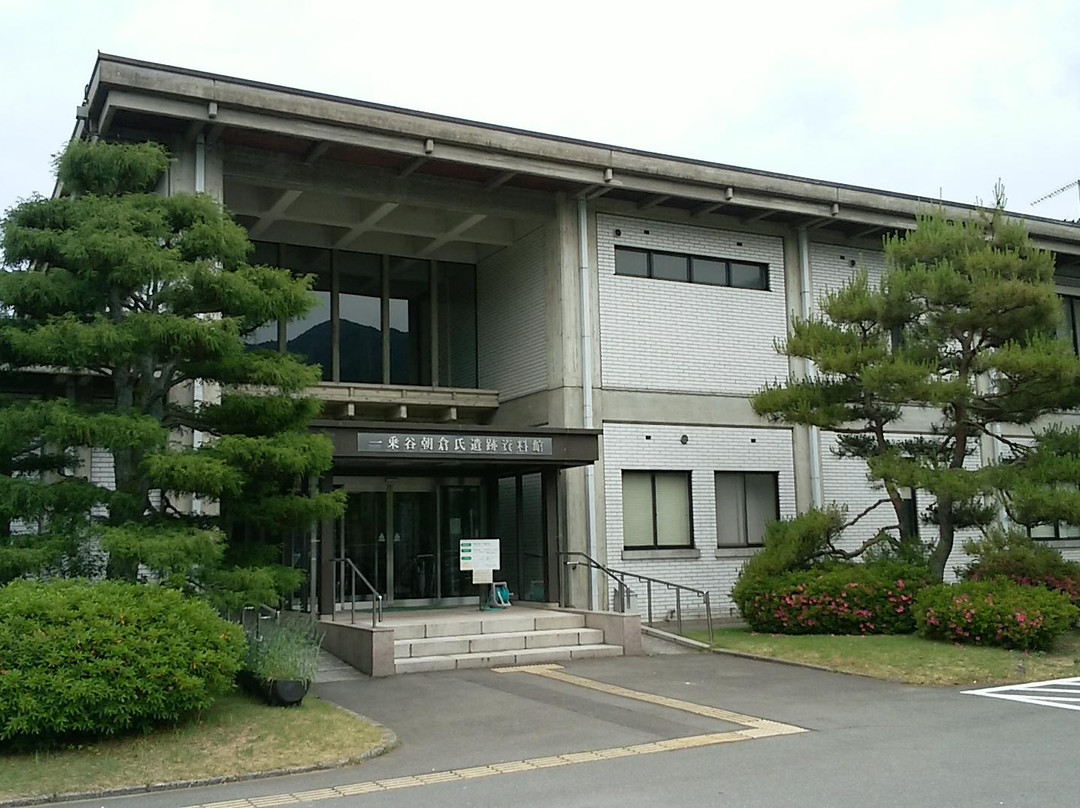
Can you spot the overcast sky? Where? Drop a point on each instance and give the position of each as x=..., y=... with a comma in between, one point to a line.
x=935, y=99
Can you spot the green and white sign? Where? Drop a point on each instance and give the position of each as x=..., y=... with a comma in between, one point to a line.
x=479, y=554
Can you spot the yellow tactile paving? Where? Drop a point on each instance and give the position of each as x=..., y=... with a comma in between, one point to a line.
x=752, y=728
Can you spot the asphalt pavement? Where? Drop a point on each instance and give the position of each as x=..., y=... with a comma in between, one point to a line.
x=678, y=730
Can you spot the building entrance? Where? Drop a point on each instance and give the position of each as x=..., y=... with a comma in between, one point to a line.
x=403, y=535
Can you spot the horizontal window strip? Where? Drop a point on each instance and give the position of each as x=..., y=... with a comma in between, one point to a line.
x=706, y=270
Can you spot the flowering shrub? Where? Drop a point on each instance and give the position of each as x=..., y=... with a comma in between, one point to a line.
x=1014, y=556
x=994, y=612
x=843, y=599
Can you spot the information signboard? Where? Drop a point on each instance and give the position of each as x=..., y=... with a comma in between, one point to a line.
x=479, y=554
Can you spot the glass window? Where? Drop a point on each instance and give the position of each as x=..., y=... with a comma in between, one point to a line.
x=712, y=271
x=309, y=335
x=345, y=332
x=410, y=321
x=631, y=262
x=265, y=337
x=745, y=503
x=909, y=515
x=656, y=509
x=749, y=276
x=456, y=284
x=670, y=267
x=359, y=317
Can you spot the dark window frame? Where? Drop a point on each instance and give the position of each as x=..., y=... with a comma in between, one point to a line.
x=1057, y=534
x=327, y=282
x=686, y=475
x=722, y=545
x=690, y=258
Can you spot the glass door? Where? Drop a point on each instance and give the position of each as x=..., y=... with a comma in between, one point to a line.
x=414, y=547
x=363, y=540
x=461, y=519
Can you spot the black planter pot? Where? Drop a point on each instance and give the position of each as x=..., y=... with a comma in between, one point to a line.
x=278, y=692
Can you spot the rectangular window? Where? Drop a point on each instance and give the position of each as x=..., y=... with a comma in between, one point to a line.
x=656, y=509
x=706, y=270
x=909, y=514
x=746, y=501
x=1056, y=532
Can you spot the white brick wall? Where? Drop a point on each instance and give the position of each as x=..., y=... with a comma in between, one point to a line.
x=670, y=336
x=707, y=450
x=844, y=482
x=101, y=473
x=512, y=318
x=831, y=267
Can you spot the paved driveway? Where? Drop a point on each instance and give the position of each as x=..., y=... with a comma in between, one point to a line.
x=684, y=730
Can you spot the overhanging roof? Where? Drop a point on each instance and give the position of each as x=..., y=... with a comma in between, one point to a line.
x=307, y=125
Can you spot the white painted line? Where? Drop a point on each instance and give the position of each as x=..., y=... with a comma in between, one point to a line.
x=1040, y=693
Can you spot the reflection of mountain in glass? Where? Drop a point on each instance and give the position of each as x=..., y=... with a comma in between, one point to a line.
x=361, y=352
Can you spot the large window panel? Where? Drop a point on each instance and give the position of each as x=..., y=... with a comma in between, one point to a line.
x=410, y=321
x=456, y=284
x=429, y=332
x=360, y=317
x=310, y=335
x=265, y=337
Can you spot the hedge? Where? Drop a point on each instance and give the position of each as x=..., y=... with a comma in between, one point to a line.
x=996, y=612
x=80, y=659
x=1023, y=561
x=842, y=599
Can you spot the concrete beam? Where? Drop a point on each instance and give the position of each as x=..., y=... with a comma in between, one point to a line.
x=412, y=166
x=708, y=207
x=257, y=168
x=653, y=201
x=276, y=211
x=317, y=150
x=366, y=224
x=757, y=217
x=501, y=178
x=452, y=235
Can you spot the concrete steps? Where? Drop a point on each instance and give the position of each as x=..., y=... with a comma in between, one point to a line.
x=488, y=640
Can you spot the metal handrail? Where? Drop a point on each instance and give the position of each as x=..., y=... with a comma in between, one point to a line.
x=619, y=576
x=347, y=565
x=594, y=564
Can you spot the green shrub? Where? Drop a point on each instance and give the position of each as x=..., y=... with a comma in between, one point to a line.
x=840, y=599
x=792, y=544
x=1014, y=555
x=994, y=612
x=81, y=659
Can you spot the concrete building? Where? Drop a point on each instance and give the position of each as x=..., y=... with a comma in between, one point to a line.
x=526, y=336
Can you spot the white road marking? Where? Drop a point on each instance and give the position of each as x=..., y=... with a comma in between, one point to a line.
x=1042, y=693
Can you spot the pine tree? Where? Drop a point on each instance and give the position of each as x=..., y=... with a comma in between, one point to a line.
x=140, y=296
x=960, y=327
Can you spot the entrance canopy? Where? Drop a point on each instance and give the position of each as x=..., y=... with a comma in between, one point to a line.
x=415, y=491
x=456, y=448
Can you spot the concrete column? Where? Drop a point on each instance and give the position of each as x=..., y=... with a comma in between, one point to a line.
x=801, y=435
x=564, y=318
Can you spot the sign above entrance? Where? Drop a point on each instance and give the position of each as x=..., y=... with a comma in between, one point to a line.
x=429, y=444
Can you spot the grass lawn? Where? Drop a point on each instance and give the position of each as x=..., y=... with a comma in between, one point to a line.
x=907, y=658
x=238, y=735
